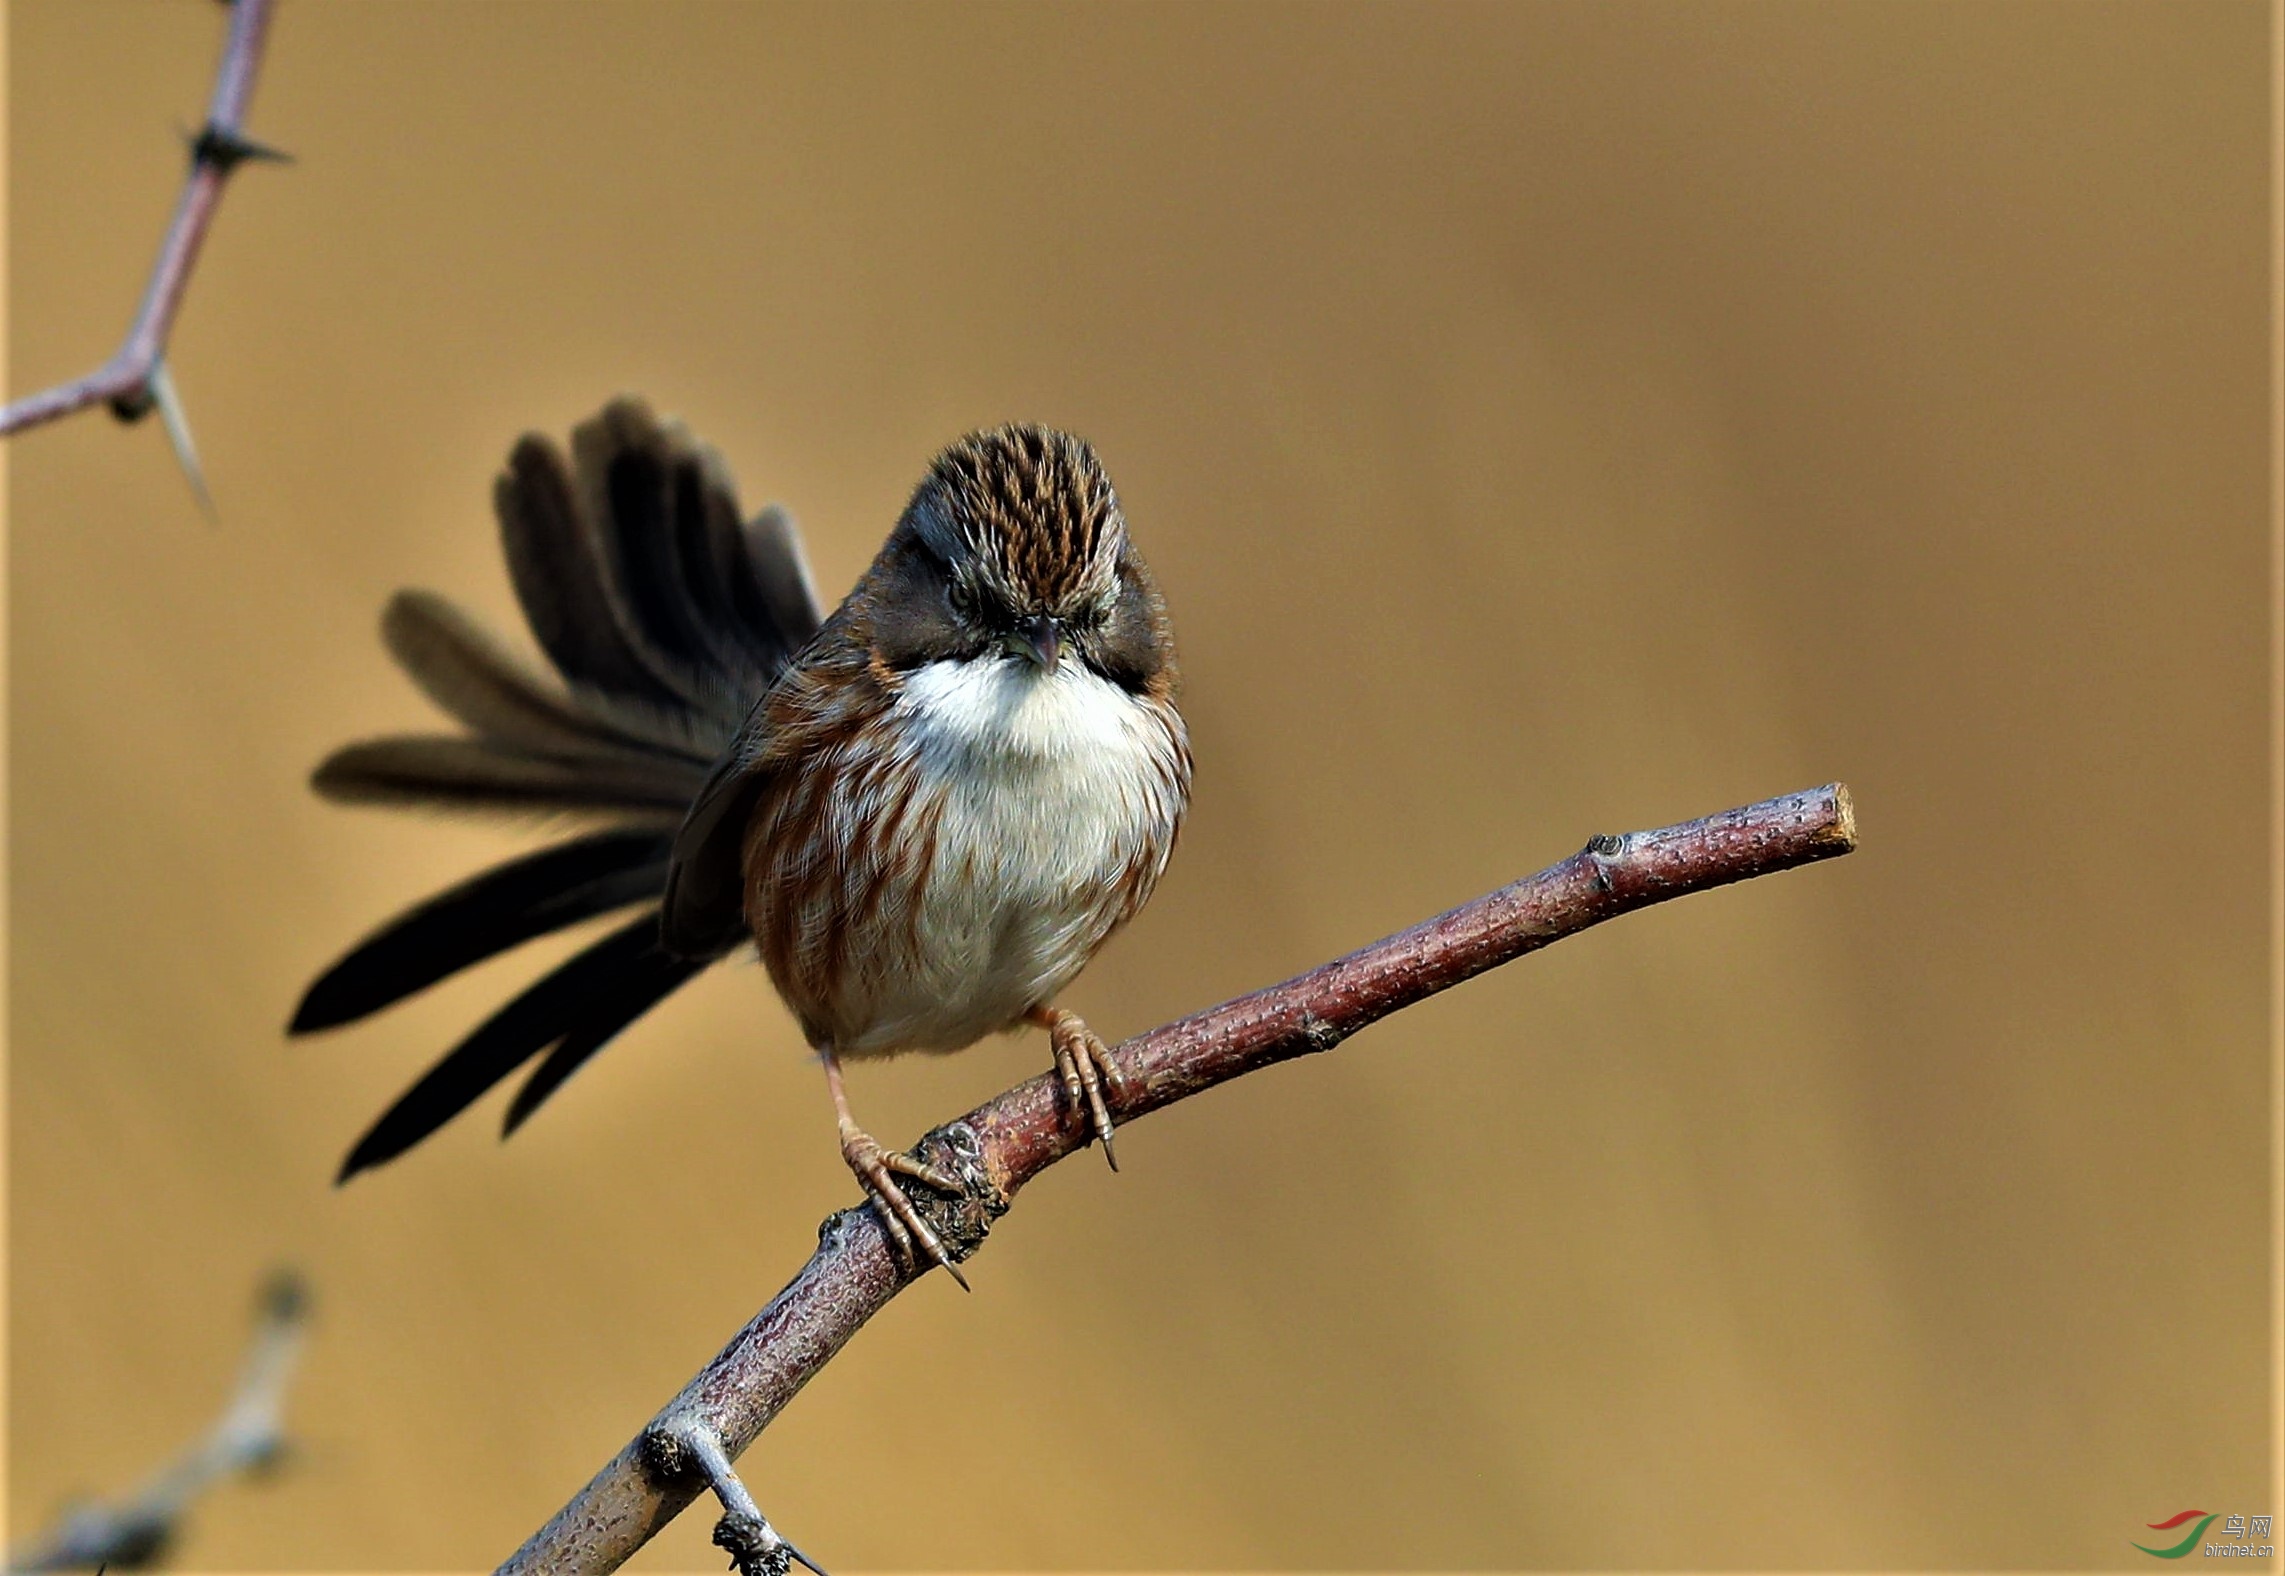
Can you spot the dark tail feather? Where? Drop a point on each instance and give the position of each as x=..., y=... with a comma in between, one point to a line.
x=774, y=593
x=648, y=500
x=486, y=915
x=461, y=773
x=468, y=674
x=559, y=1003
x=559, y=579
x=632, y=993
x=638, y=577
x=665, y=619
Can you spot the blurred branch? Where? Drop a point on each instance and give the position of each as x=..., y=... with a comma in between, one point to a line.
x=248, y=1438
x=133, y=381
x=998, y=1147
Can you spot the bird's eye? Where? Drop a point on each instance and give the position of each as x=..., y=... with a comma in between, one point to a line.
x=963, y=598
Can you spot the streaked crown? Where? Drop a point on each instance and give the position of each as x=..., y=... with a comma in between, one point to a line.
x=1028, y=507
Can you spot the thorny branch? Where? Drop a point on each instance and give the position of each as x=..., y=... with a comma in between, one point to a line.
x=134, y=380
x=1004, y=1143
x=248, y=1438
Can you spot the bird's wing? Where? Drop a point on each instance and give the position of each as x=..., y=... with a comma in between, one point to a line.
x=829, y=692
x=703, y=910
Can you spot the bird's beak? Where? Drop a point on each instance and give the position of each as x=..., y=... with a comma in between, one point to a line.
x=1042, y=640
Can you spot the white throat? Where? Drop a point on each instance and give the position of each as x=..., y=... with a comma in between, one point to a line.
x=1004, y=707
x=1055, y=789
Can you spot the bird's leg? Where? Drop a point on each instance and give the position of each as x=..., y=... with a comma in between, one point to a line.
x=875, y=1166
x=1084, y=1064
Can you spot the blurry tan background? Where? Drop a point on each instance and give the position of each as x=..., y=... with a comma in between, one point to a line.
x=1546, y=420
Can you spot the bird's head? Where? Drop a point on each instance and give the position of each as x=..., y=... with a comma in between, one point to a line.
x=1013, y=549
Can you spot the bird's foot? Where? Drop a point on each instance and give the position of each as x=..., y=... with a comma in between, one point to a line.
x=1083, y=1063
x=876, y=1168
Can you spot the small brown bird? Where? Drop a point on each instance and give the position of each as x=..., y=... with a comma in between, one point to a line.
x=929, y=810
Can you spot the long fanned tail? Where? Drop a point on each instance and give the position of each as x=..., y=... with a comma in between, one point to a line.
x=666, y=615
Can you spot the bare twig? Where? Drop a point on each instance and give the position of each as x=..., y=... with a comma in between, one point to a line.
x=127, y=380
x=248, y=1437
x=1003, y=1144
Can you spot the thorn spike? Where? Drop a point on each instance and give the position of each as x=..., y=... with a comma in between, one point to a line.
x=169, y=403
x=226, y=148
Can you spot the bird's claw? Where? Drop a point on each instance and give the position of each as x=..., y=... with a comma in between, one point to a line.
x=1083, y=1065
x=875, y=1168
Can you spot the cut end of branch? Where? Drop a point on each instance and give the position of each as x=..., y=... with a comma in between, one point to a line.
x=1843, y=835
x=753, y=1548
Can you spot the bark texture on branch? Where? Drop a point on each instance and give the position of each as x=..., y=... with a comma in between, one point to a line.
x=126, y=381
x=1004, y=1143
